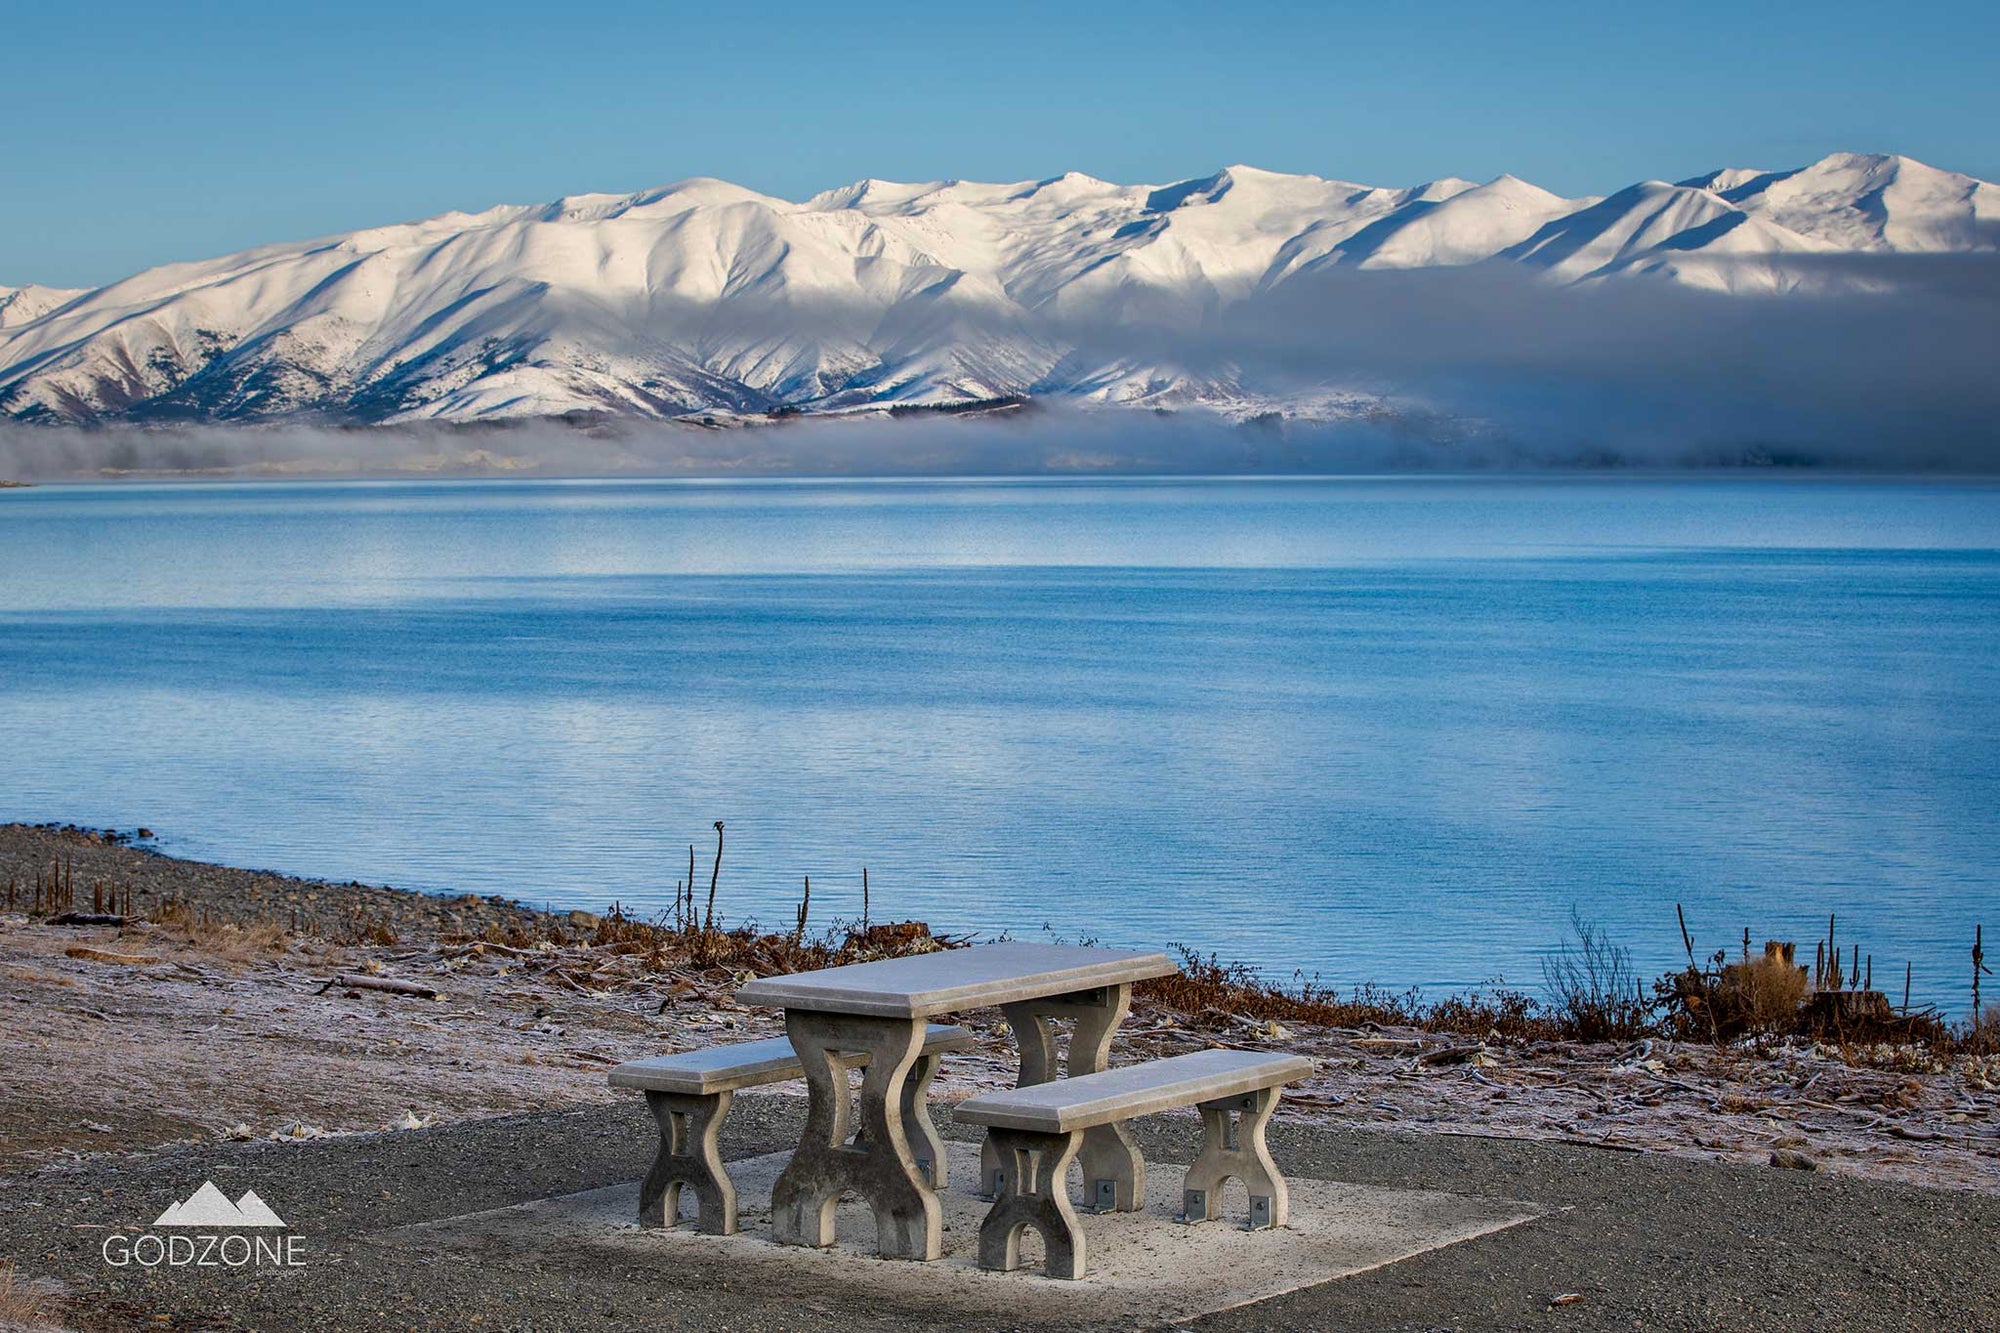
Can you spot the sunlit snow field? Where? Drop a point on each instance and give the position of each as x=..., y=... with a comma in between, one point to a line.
x=1375, y=729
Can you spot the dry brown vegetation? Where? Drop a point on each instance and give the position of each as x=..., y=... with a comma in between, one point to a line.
x=193, y=928
x=1591, y=991
x=585, y=951
x=21, y=1306
x=1595, y=995
x=1209, y=988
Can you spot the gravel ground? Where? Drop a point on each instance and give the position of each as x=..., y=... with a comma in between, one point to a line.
x=1646, y=1241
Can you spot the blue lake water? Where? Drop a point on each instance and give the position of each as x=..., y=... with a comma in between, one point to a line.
x=1378, y=729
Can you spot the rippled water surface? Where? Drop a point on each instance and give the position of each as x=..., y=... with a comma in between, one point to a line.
x=1378, y=729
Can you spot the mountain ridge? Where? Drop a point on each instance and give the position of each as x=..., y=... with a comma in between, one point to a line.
x=703, y=299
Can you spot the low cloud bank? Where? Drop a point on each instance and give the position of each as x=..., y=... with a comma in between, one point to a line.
x=1482, y=367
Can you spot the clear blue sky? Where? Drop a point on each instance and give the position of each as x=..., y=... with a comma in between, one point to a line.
x=137, y=133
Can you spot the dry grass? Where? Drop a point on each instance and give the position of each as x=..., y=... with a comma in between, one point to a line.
x=1983, y=1037
x=21, y=1306
x=196, y=930
x=37, y=977
x=1762, y=995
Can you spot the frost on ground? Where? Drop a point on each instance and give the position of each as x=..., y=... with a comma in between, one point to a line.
x=196, y=1028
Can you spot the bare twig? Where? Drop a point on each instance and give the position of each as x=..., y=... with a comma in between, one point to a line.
x=351, y=981
x=714, y=875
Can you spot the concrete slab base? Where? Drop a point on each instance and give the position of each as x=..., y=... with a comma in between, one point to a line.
x=1145, y=1267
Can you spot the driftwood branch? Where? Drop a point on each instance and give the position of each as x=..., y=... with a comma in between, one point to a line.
x=89, y=954
x=87, y=919
x=388, y=984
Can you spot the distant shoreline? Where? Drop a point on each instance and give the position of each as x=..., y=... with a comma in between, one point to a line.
x=1031, y=442
x=533, y=474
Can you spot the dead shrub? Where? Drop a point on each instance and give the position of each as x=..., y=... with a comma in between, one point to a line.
x=1593, y=987
x=1511, y=1014
x=1207, y=985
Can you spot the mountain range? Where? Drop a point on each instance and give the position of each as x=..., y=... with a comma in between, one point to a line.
x=708, y=301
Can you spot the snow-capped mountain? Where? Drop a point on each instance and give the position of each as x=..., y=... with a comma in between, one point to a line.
x=19, y=305
x=705, y=299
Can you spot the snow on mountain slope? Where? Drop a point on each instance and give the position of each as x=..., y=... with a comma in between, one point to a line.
x=1870, y=202
x=1463, y=227
x=705, y=298
x=20, y=305
x=1677, y=231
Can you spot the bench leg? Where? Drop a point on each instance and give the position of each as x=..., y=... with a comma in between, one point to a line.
x=878, y=1164
x=1036, y=1195
x=1233, y=1145
x=689, y=1156
x=1114, y=1171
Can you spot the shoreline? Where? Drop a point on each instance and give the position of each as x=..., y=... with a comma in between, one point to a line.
x=1777, y=474
x=210, y=1016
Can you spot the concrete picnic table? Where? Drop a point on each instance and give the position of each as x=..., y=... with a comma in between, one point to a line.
x=882, y=1009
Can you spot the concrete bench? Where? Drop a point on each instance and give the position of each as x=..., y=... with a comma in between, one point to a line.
x=1038, y=1130
x=689, y=1096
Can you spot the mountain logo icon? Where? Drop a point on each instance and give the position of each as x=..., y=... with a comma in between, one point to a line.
x=210, y=1207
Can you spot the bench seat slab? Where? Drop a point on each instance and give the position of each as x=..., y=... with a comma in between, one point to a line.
x=1133, y=1090
x=745, y=1064
x=1036, y=1130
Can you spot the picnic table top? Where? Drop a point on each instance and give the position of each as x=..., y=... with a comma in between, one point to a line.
x=937, y=983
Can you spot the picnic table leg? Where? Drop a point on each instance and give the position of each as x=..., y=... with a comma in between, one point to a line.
x=1114, y=1171
x=878, y=1165
x=926, y=1144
